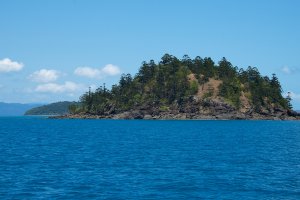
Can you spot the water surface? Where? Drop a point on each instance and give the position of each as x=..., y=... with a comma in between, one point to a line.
x=121, y=159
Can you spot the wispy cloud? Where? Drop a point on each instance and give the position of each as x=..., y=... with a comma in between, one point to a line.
x=89, y=72
x=289, y=70
x=7, y=65
x=68, y=87
x=295, y=96
x=44, y=75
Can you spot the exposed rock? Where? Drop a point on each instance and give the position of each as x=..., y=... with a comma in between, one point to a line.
x=293, y=113
x=137, y=115
x=205, y=109
x=148, y=117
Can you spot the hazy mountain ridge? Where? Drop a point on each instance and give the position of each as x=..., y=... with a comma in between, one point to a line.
x=15, y=109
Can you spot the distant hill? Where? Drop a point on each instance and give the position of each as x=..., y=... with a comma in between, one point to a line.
x=58, y=108
x=15, y=109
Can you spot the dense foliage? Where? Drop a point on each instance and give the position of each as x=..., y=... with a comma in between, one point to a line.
x=166, y=82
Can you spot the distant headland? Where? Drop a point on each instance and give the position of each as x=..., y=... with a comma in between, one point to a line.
x=58, y=108
x=188, y=89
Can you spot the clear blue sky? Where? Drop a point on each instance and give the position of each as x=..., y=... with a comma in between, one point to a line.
x=53, y=50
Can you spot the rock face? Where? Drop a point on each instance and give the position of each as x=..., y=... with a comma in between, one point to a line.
x=207, y=109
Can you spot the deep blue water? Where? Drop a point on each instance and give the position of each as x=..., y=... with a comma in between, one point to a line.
x=114, y=159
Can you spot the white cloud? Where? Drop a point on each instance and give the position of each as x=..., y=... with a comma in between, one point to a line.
x=111, y=70
x=44, y=75
x=107, y=70
x=7, y=65
x=88, y=72
x=59, y=88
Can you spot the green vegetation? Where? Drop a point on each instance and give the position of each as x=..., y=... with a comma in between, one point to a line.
x=59, y=108
x=167, y=82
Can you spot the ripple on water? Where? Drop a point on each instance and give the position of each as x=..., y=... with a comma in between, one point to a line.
x=119, y=159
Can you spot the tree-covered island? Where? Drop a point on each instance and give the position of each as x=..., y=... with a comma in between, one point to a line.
x=188, y=89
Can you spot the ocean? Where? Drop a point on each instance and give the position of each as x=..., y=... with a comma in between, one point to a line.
x=137, y=159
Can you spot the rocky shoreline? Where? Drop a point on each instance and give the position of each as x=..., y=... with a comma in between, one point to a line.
x=180, y=116
x=204, y=110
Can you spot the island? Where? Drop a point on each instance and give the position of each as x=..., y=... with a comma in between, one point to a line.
x=187, y=88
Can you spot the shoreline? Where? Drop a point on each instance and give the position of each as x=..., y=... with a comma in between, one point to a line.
x=136, y=115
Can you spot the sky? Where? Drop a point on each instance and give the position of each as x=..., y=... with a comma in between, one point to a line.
x=54, y=50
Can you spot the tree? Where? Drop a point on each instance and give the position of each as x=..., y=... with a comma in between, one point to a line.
x=167, y=59
x=226, y=70
x=208, y=67
x=288, y=101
